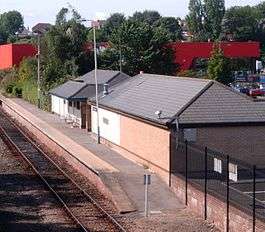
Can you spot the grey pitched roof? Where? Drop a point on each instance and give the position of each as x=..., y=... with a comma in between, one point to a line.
x=41, y=28
x=68, y=89
x=220, y=104
x=104, y=76
x=83, y=88
x=145, y=94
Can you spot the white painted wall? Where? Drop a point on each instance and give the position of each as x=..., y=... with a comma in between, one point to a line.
x=109, y=123
x=59, y=106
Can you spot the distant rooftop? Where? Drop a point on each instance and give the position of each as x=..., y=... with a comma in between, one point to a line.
x=41, y=28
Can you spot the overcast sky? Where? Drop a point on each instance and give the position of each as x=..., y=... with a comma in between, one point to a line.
x=35, y=11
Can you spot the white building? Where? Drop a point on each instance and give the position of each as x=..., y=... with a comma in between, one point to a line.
x=69, y=99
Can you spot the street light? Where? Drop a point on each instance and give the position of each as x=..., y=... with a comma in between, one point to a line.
x=38, y=34
x=95, y=24
x=38, y=81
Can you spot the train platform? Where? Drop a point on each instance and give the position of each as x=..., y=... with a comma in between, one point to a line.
x=122, y=177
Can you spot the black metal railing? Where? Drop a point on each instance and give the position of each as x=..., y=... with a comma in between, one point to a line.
x=231, y=180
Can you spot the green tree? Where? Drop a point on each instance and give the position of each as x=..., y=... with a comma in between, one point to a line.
x=214, y=13
x=142, y=47
x=147, y=16
x=111, y=24
x=240, y=24
x=61, y=16
x=10, y=23
x=63, y=53
x=27, y=69
x=218, y=66
x=172, y=26
x=195, y=20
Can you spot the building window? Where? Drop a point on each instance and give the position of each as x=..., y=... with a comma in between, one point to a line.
x=217, y=165
x=232, y=172
x=70, y=103
x=190, y=135
x=94, y=108
x=64, y=101
x=78, y=105
x=105, y=121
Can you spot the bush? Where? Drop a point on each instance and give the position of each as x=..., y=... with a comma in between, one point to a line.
x=9, y=88
x=8, y=79
x=17, y=91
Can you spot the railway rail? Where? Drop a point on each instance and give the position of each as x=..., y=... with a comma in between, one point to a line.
x=86, y=212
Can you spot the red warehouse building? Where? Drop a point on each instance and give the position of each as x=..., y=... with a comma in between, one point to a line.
x=12, y=54
x=187, y=52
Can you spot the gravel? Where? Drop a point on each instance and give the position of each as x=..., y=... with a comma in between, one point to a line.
x=25, y=204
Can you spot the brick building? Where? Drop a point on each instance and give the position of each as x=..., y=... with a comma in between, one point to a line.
x=145, y=117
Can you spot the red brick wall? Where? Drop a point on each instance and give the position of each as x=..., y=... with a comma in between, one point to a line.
x=147, y=142
x=238, y=220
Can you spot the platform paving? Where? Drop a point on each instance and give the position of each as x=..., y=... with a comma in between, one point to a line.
x=119, y=171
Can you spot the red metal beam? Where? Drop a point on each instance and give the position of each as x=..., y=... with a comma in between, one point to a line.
x=187, y=52
x=12, y=54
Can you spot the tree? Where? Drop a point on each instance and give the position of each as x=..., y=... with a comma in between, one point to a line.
x=147, y=16
x=10, y=23
x=240, y=24
x=61, y=16
x=214, y=13
x=172, y=26
x=195, y=20
x=142, y=47
x=63, y=49
x=218, y=66
x=111, y=24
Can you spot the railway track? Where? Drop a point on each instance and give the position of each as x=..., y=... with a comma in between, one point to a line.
x=86, y=212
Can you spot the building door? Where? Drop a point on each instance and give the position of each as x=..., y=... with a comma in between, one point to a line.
x=88, y=118
x=83, y=115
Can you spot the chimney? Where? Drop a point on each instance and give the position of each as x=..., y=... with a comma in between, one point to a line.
x=105, y=89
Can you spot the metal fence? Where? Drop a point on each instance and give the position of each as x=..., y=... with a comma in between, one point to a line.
x=233, y=181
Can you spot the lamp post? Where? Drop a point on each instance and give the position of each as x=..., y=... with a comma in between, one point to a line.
x=38, y=81
x=95, y=24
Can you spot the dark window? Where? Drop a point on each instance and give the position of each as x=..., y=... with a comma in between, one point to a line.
x=94, y=109
x=78, y=105
x=70, y=103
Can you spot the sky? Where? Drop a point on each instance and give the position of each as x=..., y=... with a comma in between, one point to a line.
x=35, y=11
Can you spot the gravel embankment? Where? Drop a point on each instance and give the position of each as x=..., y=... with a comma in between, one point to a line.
x=25, y=204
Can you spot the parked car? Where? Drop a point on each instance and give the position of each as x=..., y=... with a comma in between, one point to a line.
x=257, y=92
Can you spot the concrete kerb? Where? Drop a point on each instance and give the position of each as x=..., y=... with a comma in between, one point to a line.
x=98, y=172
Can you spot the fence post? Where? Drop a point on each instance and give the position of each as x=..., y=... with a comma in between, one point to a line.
x=186, y=172
x=254, y=198
x=205, y=181
x=227, y=193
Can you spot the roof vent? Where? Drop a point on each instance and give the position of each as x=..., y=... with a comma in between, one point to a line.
x=105, y=89
x=158, y=113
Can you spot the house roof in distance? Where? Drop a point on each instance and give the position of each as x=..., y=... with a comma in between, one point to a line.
x=186, y=100
x=41, y=28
